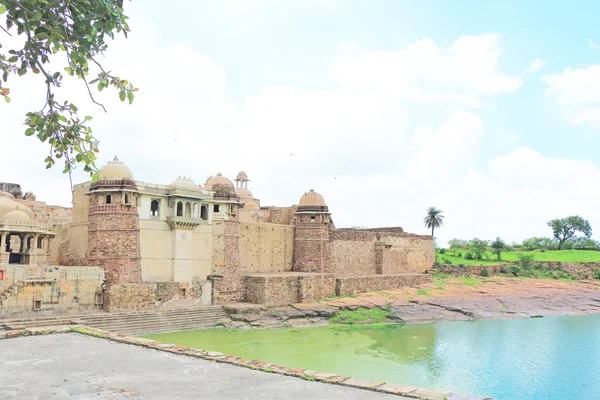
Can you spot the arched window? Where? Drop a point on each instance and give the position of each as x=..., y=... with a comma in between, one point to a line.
x=154, y=208
x=195, y=213
x=126, y=198
x=188, y=209
x=179, y=209
x=39, y=242
x=29, y=242
x=204, y=213
x=108, y=199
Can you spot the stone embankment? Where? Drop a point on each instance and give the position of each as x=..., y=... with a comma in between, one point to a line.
x=451, y=300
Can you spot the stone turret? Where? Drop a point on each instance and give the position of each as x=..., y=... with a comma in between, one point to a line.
x=113, y=230
x=311, y=241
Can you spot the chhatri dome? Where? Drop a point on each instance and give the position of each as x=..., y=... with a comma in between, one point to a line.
x=8, y=204
x=312, y=198
x=184, y=183
x=244, y=193
x=217, y=180
x=16, y=216
x=115, y=170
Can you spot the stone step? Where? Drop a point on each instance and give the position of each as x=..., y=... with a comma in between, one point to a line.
x=162, y=328
x=121, y=324
x=150, y=317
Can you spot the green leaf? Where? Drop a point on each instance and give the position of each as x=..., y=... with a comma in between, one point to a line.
x=62, y=118
x=13, y=59
x=122, y=95
x=29, y=131
x=36, y=15
x=7, y=99
x=73, y=107
x=2, y=9
x=130, y=97
x=95, y=177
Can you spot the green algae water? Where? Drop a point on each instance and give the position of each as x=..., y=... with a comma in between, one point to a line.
x=547, y=358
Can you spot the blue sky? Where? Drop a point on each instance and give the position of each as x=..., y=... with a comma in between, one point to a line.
x=487, y=110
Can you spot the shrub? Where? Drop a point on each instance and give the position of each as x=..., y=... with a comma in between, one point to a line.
x=503, y=270
x=525, y=260
x=542, y=250
x=515, y=270
x=596, y=273
x=458, y=254
x=478, y=256
x=445, y=260
x=468, y=255
x=442, y=251
x=485, y=272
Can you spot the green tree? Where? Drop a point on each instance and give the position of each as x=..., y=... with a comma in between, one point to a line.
x=498, y=245
x=566, y=228
x=61, y=36
x=433, y=219
x=478, y=247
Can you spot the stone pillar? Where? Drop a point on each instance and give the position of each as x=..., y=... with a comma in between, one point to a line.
x=3, y=253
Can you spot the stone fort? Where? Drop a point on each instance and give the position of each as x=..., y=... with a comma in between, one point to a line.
x=131, y=245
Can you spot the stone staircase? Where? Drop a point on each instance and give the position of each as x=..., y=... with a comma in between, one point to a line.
x=144, y=322
x=14, y=324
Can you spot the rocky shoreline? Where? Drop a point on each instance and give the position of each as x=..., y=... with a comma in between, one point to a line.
x=456, y=299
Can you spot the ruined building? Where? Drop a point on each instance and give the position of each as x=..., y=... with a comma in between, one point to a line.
x=139, y=245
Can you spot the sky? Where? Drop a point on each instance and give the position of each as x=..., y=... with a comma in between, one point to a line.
x=489, y=111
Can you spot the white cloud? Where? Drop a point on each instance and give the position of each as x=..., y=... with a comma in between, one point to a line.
x=577, y=91
x=466, y=73
x=536, y=65
x=594, y=45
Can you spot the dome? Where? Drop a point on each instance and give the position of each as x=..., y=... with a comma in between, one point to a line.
x=241, y=176
x=7, y=195
x=115, y=170
x=184, y=183
x=8, y=204
x=251, y=205
x=243, y=192
x=217, y=180
x=312, y=198
x=16, y=216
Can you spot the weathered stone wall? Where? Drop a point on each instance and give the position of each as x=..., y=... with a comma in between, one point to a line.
x=352, y=252
x=129, y=297
x=60, y=291
x=114, y=238
x=226, y=275
x=287, y=288
x=266, y=247
x=314, y=287
x=311, y=245
x=375, y=251
x=348, y=285
x=279, y=215
x=584, y=270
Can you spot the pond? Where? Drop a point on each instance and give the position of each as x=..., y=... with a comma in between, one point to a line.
x=544, y=358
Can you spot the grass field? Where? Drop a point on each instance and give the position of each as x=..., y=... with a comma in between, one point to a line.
x=548, y=255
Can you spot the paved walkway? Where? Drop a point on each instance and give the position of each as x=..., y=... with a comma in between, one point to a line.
x=73, y=366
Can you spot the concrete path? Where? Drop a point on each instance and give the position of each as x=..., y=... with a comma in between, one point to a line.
x=72, y=366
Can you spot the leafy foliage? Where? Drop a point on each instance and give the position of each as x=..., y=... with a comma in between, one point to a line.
x=525, y=260
x=77, y=31
x=498, y=245
x=433, y=219
x=478, y=247
x=565, y=228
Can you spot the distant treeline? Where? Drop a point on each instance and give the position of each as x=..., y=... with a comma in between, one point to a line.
x=534, y=243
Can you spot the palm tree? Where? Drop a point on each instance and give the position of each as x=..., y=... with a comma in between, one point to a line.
x=434, y=219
